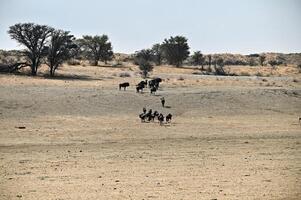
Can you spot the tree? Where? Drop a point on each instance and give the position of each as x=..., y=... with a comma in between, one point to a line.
x=262, y=59
x=143, y=58
x=198, y=59
x=34, y=38
x=60, y=49
x=219, y=67
x=157, y=54
x=97, y=48
x=175, y=50
x=209, y=60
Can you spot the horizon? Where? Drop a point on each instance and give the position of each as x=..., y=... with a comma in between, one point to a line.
x=235, y=27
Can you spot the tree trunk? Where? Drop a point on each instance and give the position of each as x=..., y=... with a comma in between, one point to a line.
x=33, y=70
x=95, y=62
x=51, y=71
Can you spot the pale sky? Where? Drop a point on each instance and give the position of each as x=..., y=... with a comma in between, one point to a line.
x=211, y=26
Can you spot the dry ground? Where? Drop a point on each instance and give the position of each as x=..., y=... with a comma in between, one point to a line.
x=231, y=137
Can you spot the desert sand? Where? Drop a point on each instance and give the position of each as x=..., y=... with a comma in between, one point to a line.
x=77, y=136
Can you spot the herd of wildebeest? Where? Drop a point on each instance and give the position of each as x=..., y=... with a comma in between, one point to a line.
x=150, y=116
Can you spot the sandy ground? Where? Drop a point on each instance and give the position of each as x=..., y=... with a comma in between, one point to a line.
x=78, y=137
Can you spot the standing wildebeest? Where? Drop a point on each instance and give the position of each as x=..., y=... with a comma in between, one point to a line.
x=161, y=118
x=141, y=86
x=146, y=116
x=154, y=83
x=168, y=118
x=153, y=90
x=163, y=101
x=154, y=115
x=123, y=85
x=142, y=116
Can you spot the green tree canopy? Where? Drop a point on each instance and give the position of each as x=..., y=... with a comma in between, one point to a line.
x=144, y=58
x=97, y=48
x=157, y=54
x=175, y=50
x=34, y=38
x=197, y=58
x=60, y=49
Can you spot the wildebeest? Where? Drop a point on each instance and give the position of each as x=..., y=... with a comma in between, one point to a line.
x=154, y=83
x=124, y=85
x=154, y=115
x=168, y=118
x=161, y=118
x=153, y=90
x=146, y=116
x=162, y=101
x=140, y=86
x=142, y=116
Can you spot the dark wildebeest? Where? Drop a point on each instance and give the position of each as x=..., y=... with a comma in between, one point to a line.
x=168, y=118
x=154, y=82
x=146, y=116
x=161, y=118
x=142, y=116
x=154, y=115
x=141, y=86
x=123, y=85
x=144, y=110
x=163, y=101
x=153, y=90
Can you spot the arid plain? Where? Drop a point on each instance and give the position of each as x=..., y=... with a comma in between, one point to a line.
x=77, y=136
